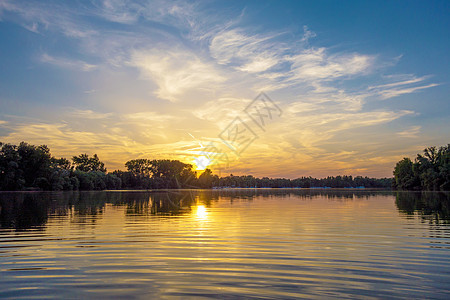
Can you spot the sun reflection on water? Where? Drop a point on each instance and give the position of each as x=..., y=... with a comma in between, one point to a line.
x=201, y=212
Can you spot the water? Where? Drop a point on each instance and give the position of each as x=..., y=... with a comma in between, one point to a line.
x=265, y=244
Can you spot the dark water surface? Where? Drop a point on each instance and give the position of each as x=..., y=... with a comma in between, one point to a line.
x=233, y=244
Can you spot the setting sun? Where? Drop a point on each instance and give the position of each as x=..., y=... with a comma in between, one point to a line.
x=201, y=163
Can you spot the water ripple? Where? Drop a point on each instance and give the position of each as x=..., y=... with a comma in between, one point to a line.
x=283, y=246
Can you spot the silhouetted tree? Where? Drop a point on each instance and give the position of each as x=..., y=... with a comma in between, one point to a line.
x=11, y=176
x=172, y=174
x=205, y=180
x=87, y=164
x=35, y=162
x=139, y=166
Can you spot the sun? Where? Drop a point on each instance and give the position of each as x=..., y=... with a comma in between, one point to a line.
x=201, y=163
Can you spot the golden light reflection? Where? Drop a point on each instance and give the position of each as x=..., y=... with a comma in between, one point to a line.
x=201, y=212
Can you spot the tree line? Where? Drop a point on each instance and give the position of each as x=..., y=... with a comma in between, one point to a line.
x=30, y=167
x=430, y=171
x=33, y=167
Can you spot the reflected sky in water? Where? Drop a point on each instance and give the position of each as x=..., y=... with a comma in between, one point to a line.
x=225, y=244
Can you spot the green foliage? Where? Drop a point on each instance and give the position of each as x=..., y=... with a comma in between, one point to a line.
x=404, y=175
x=430, y=171
x=32, y=167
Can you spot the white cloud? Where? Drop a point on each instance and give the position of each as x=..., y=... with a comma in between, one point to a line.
x=314, y=64
x=280, y=64
x=175, y=72
x=259, y=64
x=245, y=52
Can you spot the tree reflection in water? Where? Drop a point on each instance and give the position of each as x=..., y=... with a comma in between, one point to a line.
x=24, y=210
x=433, y=207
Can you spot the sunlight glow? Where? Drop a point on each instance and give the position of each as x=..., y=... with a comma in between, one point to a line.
x=201, y=163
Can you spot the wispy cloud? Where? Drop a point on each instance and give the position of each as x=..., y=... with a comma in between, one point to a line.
x=119, y=11
x=390, y=93
x=406, y=85
x=67, y=63
x=315, y=64
x=237, y=48
x=410, y=80
x=148, y=116
x=44, y=16
x=308, y=34
x=221, y=111
x=320, y=127
x=177, y=14
x=259, y=64
x=175, y=72
x=283, y=64
x=89, y=114
x=412, y=132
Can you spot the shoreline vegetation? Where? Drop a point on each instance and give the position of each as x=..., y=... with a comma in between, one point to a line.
x=430, y=171
x=29, y=167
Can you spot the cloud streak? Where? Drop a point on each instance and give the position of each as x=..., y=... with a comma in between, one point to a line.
x=412, y=132
x=67, y=63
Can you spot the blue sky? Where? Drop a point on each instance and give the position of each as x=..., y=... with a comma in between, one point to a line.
x=361, y=83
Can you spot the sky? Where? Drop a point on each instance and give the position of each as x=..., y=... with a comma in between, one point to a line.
x=349, y=87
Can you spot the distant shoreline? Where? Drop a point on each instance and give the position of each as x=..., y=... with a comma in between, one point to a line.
x=210, y=189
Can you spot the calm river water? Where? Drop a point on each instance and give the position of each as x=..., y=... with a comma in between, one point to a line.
x=227, y=244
